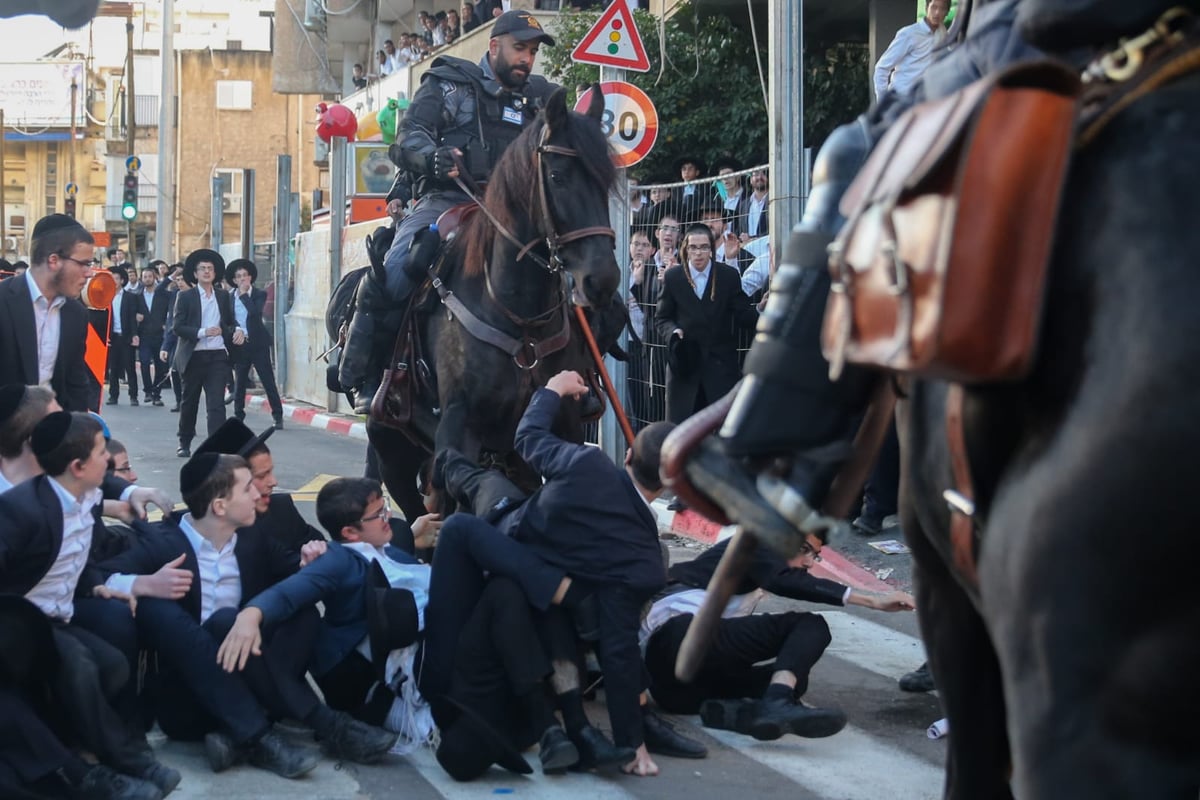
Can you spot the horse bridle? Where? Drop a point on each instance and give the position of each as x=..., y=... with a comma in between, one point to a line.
x=554, y=240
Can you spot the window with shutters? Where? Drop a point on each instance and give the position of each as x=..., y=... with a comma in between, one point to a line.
x=234, y=95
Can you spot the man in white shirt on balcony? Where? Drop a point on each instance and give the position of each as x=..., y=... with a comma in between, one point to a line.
x=911, y=51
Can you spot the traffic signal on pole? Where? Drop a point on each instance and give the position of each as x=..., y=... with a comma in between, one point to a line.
x=69, y=207
x=129, y=200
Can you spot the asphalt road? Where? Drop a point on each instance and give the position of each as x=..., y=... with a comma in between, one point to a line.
x=883, y=753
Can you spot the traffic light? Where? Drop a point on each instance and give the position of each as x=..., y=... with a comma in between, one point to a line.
x=130, y=198
x=69, y=207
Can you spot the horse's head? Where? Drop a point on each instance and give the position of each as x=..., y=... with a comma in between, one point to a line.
x=557, y=178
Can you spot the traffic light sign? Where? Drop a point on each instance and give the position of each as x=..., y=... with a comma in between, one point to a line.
x=130, y=199
x=69, y=207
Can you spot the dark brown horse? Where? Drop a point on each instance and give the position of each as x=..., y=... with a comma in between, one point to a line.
x=542, y=242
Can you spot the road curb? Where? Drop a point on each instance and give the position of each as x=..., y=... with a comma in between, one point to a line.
x=688, y=524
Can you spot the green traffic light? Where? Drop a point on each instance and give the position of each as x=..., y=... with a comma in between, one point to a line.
x=128, y=211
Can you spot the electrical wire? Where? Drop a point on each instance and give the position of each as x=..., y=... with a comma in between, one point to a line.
x=325, y=7
x=758, y=57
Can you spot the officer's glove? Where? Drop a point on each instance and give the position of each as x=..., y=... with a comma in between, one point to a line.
x=378, y=244
x=442, y=162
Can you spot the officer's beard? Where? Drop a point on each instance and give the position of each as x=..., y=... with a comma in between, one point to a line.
x=508, y=77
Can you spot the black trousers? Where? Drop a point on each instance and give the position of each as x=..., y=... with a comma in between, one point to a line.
x=196, y=694
x=92, y=673
x=500, y=664
x=148, y=351
x=207, y=370
x=34, y=763
x=259, y=357
x=121, y=366
x=111, y=621
x=467, y=546
x=347, y=685
x=733, y=667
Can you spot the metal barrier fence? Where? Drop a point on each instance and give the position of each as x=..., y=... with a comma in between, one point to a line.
x=665, y=214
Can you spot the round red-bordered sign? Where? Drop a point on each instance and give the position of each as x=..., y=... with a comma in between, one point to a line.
x=630, y=120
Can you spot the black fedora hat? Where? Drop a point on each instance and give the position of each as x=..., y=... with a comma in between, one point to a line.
x=392, y=620
x=727, y=162
x=470, y=745
x=203, y=254
x=701, y=164
x=683, y=356
x=241, y=263
x=233, y=438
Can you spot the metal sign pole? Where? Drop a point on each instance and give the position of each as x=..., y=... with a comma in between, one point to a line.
x=612, y=440
x=338, y=153
x=283, y=216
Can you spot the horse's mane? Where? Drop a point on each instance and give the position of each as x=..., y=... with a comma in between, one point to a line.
x=513, y=184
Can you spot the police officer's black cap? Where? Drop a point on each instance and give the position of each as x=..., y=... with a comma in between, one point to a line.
x=203, y=254
x=522, y=26
x=241, y=263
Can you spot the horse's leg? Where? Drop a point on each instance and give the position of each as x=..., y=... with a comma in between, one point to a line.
x=961, y=654
x=399, y=463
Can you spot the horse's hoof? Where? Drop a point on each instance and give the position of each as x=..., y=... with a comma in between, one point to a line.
x=725, y=482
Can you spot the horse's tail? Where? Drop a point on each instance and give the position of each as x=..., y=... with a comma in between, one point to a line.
x=1151, y=686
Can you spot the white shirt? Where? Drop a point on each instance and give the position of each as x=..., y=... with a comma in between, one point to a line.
x=756, y=275
x=220, y=578
x=688, y=602
x=907, y=57
x=47, y=321
x=55, y=592
x=755, y=213
x=731, y=202
x=700, y=279
x=5, y=483
x=118, y=298
x=210, y=317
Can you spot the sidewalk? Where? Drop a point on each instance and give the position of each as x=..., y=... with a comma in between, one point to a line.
x=684, y=524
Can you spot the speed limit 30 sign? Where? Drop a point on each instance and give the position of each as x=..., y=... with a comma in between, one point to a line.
x=630, y=121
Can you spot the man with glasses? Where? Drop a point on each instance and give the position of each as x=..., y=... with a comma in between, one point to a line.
x=762, y=656
x=700, y=308
x=43, y=330
x=206, y=327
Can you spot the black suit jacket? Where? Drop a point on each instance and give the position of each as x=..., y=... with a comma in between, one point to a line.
x=711, y=323
x=31, y=534
x=768, y=571
x=262, y=562
x=256, y=330
x=187, y=323
x=154, y=315
x=18, y=345
x=130, y=306
x=283, y=523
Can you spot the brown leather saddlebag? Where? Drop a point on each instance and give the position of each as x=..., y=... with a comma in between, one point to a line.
x=941, y=266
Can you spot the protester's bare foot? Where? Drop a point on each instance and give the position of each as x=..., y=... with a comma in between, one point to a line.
x=642, y=765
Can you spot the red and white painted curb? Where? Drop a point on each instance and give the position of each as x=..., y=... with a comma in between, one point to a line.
x=688, y=524
x=313, y=417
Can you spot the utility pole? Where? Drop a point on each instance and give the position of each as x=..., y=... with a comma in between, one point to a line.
x=164, y=220
x=131, y=121
x=71, y=149
x=789, y=177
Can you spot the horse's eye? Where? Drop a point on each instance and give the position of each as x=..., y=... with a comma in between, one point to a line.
x=556, y=177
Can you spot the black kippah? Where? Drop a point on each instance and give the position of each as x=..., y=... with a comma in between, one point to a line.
x=196, y=471
x=11, y=397
x=50, y=432
x=54, y=222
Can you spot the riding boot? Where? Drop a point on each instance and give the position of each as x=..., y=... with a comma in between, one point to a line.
x=359, y=370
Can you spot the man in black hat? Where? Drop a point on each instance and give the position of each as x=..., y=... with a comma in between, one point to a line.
x=463, y=112
x=729, y=192
x=122, y=340
x=207, y=329
x=47, y=526
x=174, y=284
x=276, y=515
x=686, y=200
x=255, y=350
x=44, y=327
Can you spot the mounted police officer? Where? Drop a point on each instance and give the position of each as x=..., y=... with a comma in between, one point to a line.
x=463, y=113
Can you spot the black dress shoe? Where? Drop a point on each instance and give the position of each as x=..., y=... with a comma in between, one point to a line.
x=175, y=408
x=597, y=751
x=676, y=505
x=133, y=401
x=354, y=740
x=157, y=402
x=162, y=776
x=773, y=718
x=274, y=754
x=278, y=423
x=919, y=680
x=727, y=715
x=102, y=783
x=221, y=752
x=663, y=739
x=556, y=751
x=112, y=401
x=184, y=451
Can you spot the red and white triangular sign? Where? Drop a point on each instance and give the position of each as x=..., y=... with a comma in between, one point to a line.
x=613, y=41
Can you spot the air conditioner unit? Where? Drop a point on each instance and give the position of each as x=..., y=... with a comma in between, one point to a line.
x=231, y=204
x=10, y=244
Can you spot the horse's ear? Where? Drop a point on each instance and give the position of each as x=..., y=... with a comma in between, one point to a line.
x=596, y=106
x=556, y=109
